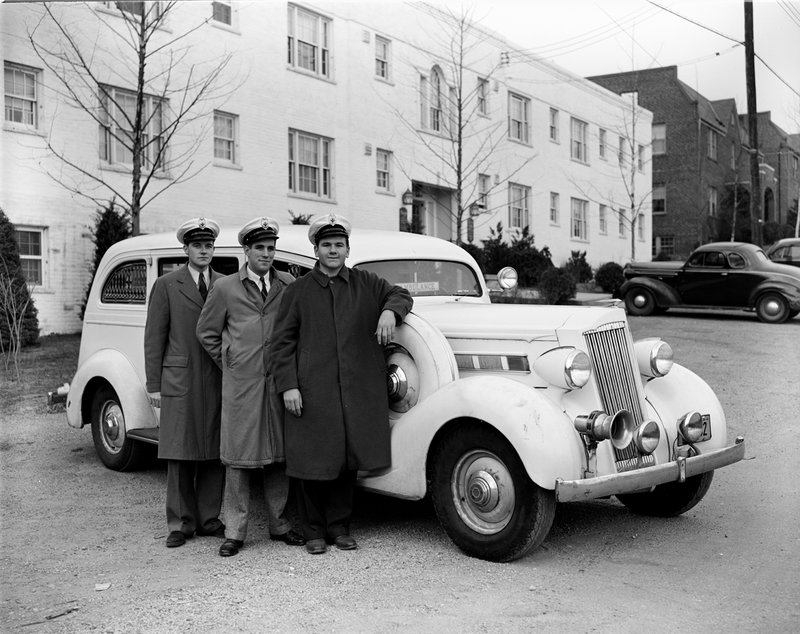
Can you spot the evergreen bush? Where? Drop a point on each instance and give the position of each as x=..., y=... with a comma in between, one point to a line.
x=477, y=253
x=578, y=267
x=111, y=225
x=609, y=277
x=14, y=292
x=557, y=286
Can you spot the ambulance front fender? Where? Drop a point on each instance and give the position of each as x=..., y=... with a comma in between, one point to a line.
x=538, y=430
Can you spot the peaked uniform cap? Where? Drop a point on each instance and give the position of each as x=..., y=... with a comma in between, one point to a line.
x=197, y=229
x=328, y=225
x=259, y=228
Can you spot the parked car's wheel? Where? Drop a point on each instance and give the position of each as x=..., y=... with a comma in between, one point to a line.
x=772, y=308
x=115, y=449
x=483, y=497
x=639, y=301
x=671, y=499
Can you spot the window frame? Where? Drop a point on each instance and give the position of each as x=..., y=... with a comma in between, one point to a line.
x=602, y=216
x=602, y=144
x=659, y=140
x=323, y=168
x=27, y=258
x=137, y=278
x=579, y=219
x=659, y=188
x=233, y=141
x=621, y=219
x=484, y=185
x=155, y=154
x=520, y=212
x=640, y=158
x=554, y=125
x=482, y=96
x=555, y=208
x=233, y=14
x=388, y=186
x=320, y=59
x=578, y=148
x=523, y=124
x=712, y=143
x=713, y=201
x=640, y=226
x=35, y=101
x=383, y=63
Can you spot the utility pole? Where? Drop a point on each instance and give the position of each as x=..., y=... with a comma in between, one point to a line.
x=752, y=124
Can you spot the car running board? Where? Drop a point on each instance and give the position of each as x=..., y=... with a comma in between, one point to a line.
x=146, y=434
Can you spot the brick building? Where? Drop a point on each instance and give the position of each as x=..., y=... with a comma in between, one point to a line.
x=698, y=150
x=335, y=107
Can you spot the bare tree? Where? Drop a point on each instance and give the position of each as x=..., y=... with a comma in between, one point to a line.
x=630, y=160
x=13, y=308
x=462, y=141
x=134, y=78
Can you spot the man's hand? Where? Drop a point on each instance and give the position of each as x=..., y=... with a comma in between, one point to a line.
x=385, y=330
x=293, y=401
x=154, y=398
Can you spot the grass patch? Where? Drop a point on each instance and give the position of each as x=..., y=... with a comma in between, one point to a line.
x=42, y=368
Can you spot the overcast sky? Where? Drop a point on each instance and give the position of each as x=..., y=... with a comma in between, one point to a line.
x=595, y=37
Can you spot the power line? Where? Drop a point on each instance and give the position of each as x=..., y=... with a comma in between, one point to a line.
x=702, y=26
x=782, y=80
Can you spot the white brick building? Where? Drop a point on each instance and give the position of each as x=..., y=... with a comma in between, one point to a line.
x=335, y=110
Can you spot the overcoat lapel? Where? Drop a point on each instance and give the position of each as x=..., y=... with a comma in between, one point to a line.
x=187, y=286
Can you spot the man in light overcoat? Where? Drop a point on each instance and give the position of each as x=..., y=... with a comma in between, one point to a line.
x=235, y=328
x=185, y=383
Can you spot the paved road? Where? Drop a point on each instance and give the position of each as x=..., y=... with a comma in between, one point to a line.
x=82, y=546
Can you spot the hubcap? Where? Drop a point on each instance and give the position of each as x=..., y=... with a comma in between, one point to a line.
x=772, y=307
x=483, y=492
x=639, y=301
x=112, y=426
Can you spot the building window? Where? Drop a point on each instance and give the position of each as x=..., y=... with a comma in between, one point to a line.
x=309, y=41
x=711, y=143
x=733, y=155
x=795, y=167
x=482, y=92
x=554, y=125
x=578, y=141
x=136, y=8
x=518, y=197
x=640, y=226
x=310, y=161
x=21, y=95
x=226, y=137
x=384, y=170
x=603, y=144
x=712, y=201
x=603, y=217
x=519, y=117
x=382, y=54
x=222, y=12
x=483, y=191
x=664, y=246
x=640, y=158
x=555, y=203
x=116, y=116
x=621, y=150
x=659, y=138
x=621, y=215
x=579, y=224
x=659, y=199
x=433, y=100
x=31, y=255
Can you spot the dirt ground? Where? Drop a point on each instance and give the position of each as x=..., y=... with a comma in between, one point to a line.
x=82, y=547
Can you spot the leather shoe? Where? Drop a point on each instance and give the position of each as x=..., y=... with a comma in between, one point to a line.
x=316, y=546
x=230, y=547
x=345, y=542
x=175, y=539
x=290, y=538
x=217, y=532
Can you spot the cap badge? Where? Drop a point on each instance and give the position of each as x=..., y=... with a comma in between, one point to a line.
x=201, y=222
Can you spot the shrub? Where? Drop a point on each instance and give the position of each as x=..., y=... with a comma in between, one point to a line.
x=19, y=321
x=477, y=253
x=578, y=267
x=110, y=226
x=529, y=261
x=557, y=286
x=496, y=253
x=609, y=277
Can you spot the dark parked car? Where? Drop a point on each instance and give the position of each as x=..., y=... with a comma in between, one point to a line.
x=716, y=275
x=785, y=251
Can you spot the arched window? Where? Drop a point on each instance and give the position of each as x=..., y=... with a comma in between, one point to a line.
x=436, y=100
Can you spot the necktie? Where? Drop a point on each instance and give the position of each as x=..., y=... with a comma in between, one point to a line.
x=263, y=287
x=202, y=286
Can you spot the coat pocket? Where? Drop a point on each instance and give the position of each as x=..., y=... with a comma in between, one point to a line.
x=174, y=375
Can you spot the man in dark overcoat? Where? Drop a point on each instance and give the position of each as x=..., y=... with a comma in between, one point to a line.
x=235, y=328
x=184, y=382
x=329, y=366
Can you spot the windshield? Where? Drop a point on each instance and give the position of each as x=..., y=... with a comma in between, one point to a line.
x=425, y=278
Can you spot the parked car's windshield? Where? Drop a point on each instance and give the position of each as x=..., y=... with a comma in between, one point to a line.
x=427, y=277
